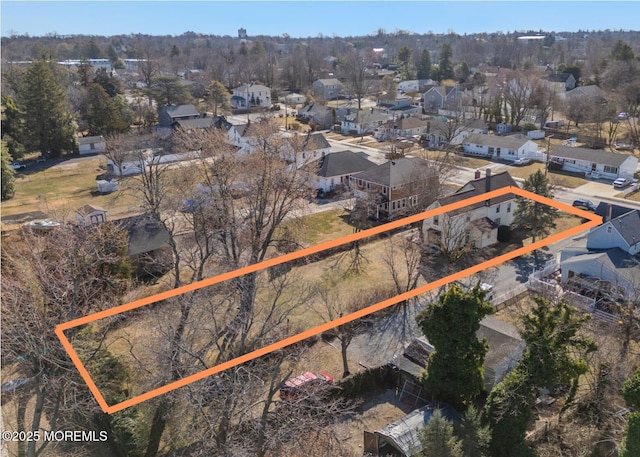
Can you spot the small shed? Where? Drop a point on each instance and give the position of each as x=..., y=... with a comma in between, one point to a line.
x=400, y=438
x=91, y=145
x=91, y=214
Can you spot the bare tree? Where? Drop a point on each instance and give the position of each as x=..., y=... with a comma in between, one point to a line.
x=353, y=66
x=402, y=258
x=520, y=95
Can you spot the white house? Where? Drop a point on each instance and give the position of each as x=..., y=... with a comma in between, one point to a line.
x=250, y=95
x=595, y=163
x=363, y=122
x=304, y=148
x=335, y=169
x=294, y=99
x=404, y=127
x=502, y=147
x=91, y=145
x=475, y=225
x=453, y=132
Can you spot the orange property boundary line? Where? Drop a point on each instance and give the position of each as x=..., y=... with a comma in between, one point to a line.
x=593, y=221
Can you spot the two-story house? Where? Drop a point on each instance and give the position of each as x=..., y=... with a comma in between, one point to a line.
x=335, y=170
x=440, y=97
x=404, y=127
x=327, y=89
x=303, y=149
x=251, y=95
x=394, y=188
x=170, y=114
x=474, y=225
x=362, y=122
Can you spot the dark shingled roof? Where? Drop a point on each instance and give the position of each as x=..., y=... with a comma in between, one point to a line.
x=628, y=225
x=316, y=141
x=477, y=187
x=559, y=77
x=198, y=123
x=616, y=210
x=145, y=233
x=395, y=172
x=590, y=155
x=343, y=163
x=617, y=260
x=507, y=142
x=91, y=139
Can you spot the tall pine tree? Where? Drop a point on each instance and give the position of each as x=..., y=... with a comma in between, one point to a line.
x=49, y=126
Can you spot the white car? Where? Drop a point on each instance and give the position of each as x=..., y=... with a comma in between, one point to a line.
x=17, y=166
x=620, y=183
x=522, y=161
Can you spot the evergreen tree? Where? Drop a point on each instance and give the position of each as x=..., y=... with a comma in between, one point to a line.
x=49, y=126
x=455, y=370
x=474, y=436
x=219, y=96
x=7, y=180
x=169, y=90
x=109, y=83
x=424, y=65
x=622, y=51
x=12, y=127
x=537, y=218
x=404, y=56
x=103, y=113
x=631, y=393
x=445, y=65
x=437, y=438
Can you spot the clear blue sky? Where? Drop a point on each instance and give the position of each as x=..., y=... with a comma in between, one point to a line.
x=304, y=18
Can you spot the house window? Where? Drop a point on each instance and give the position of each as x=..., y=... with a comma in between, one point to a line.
x=512, y=152
x=359, y=182
x=393, y=206
x=93, y=146
x=404, y=202
x=607, y=169
x=609, y=229
x=509, y=207
x=436, y=220
x=491, y=150
x=497, y=221
x=414, y=199
x=384, y=190
x=368, y=186
x=497, y=209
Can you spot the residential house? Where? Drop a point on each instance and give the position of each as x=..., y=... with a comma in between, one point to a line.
x=401, y=438
x=398, y=105
x=393, y=188
x=507, y=148
x=195, y=124
x=405, y=127
x=91, y=214
x=327, y=89
x=172, y=113
x=302, y=149
x=362, y=122
x=608, y=211
x=132, y=164
x=610, y=263
x=622, y=232
x=453, y=132
x=560, y=82
x=415, y=85
x=595, y=163
x=251, y=95
x=505, y=350
x=294, y=99
x=335, y=170
x=477, y=224
x=441, y=97
x=91, y=145
x=148, y=244
x=324, y=116
x=591, y=92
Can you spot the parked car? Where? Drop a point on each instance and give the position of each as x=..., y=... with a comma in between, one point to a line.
x=521, y=161
x=41, y=159
x=621, y=183
x=623, y=115
x=305, y=383
x=584, y=204
x=17, y=166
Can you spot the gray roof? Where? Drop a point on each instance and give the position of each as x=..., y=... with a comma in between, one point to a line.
x=343, y=163
x=395, y=172
x=88, y=209
x=329, y=81
x=366, y=116
x=478, y=187
x=253, y=87
x=145, y=233
x=403, y=433
x=628, y=225
x=181, y=111
x=616, y=210
x=198, y=123
x=559, y=77
x=405, y=123
x=316, y=141
x=91, y=139
x=508, y=142
x=623, y=263
x=502, y=337
x=586, y=91
x=590, y=155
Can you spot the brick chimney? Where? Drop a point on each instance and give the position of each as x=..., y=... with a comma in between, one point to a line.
x=478, y=174
x=609, y=212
